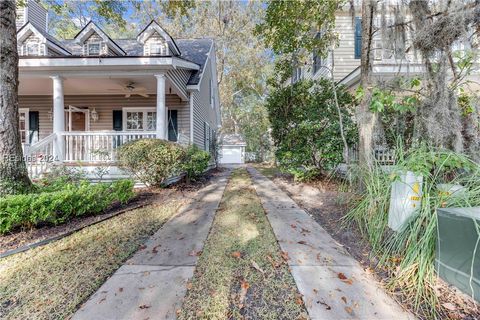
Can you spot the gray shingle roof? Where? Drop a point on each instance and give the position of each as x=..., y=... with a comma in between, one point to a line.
x=193, y=50
x=233, y=139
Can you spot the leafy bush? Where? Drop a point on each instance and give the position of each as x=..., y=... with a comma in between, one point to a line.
x=306, y=127
x=304, y=174
x=195, y=162
x=409, y=254
x=152, y=161
x=73, y=200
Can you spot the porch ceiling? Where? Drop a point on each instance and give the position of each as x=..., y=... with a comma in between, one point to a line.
x=91, y=85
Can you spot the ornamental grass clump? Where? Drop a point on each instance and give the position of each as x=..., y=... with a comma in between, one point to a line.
x=409, y=255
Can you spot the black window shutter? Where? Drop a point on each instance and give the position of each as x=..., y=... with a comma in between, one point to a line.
x=117, y=120
x=34, y=125
x=358, y=38
x=172, y=125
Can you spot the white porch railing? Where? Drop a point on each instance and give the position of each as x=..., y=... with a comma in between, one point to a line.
x=39, y=156
x=97, y=146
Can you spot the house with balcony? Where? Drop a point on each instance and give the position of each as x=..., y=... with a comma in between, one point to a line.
x=390, y=58
x=82, y=98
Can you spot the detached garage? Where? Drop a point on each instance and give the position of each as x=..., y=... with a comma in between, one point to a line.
x=232, y=149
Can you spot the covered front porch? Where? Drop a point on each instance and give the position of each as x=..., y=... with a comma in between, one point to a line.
x=82, y=120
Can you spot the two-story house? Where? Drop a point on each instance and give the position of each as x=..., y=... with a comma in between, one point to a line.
x=81, y=98
x=390, y=57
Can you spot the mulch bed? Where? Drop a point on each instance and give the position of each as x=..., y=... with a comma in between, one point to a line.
x=143, y=197
x=329, y=206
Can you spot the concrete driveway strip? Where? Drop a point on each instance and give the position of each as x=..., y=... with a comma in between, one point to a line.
x=152, y=284
x=333, y=284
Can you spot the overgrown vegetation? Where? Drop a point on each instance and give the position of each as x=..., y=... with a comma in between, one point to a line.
x=153, y=161
x=50, y=282
x=241, y=272
x=409, y=254
x=59, y=202
x=306, y=126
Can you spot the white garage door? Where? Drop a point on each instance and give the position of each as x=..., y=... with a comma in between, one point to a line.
x=231, y=155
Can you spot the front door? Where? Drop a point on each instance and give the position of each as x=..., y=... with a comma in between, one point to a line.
x=76, y=119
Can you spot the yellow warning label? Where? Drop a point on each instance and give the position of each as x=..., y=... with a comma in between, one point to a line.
x=415, y=198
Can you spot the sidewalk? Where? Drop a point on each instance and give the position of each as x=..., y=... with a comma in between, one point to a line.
x=333, y=284
x=152, y=284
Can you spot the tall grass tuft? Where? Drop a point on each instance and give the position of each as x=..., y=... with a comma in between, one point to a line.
x=409, y=255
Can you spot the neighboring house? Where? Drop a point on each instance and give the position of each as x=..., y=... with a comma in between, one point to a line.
x=390, y=60
x=232, y=149
x=82, y=98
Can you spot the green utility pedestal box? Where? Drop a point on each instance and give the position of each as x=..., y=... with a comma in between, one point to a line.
x=457, y=258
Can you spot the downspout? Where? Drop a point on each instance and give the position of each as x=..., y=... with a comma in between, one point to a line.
x=191, y=117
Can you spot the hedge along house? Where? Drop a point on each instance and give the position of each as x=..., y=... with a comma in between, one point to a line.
x=82, y=98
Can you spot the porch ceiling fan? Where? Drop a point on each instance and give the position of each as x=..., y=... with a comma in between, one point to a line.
x=130, y=88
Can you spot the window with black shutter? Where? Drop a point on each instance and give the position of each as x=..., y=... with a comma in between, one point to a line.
x=358, y=38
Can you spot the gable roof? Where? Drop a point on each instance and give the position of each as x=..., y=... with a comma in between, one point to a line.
x=29, y=28
x=91, y=28
x=233, y=139
x=153, y=27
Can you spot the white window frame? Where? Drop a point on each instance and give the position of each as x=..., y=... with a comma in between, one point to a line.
x=161, y=45
x=94, y=43
x=144, y=118
x=32, y=44
x=26, y=111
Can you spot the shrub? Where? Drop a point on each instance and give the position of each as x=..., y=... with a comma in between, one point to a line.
x=152, y=161
x=195, y=162
x=73, y=200
x=306, y=127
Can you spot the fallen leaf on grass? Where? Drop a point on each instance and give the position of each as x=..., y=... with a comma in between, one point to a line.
x=449, y=306
x=257, y=267
x=243, y=293
x=144, y=306
x=299, y=301
x=285, y=256
x=237, y=254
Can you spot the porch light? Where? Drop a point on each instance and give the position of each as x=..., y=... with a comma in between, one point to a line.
x=94, y=115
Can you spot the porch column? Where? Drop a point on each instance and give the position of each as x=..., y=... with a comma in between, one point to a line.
x=58, y=117
x=161, y=110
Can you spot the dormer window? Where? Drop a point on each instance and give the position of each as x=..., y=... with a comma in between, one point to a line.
x=157, y=49
x=32, y=49
x=93, y=48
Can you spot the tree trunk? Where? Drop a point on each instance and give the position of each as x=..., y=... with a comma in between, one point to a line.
x=13, y=171
x=366, y=119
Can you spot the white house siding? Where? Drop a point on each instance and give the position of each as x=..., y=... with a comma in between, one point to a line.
x=344, y=54
x=203, y=111
x=104, y=105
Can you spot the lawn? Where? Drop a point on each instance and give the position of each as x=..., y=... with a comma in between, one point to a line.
x=50, y=282
x=241, y=272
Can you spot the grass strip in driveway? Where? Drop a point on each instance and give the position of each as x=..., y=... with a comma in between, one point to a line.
x=50, y=282
x=241, y=272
